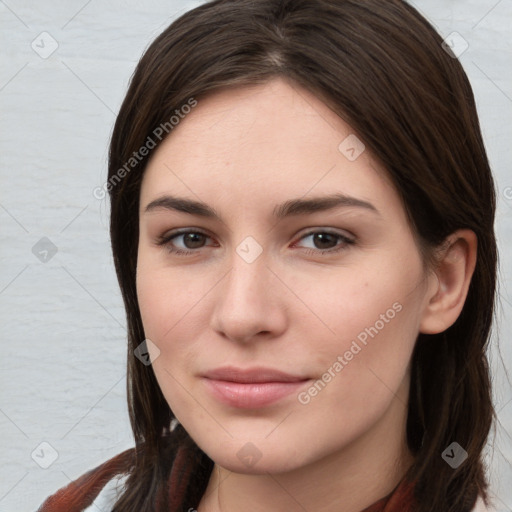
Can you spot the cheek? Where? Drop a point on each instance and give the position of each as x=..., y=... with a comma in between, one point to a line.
x=153, y=302
x=165, y=298
x=165, y=309
x=172, y=307
x=362, y=370
x=374, y=324
x=342, y=305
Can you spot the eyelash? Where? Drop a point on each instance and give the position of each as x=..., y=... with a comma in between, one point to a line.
x=165, y=240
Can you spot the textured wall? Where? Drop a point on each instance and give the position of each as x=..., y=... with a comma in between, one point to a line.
x=65, y=69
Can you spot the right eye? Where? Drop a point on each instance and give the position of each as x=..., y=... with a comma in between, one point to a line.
x=188, y=242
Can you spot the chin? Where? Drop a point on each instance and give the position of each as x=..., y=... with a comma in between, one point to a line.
x=262, y=467
x=253, y=458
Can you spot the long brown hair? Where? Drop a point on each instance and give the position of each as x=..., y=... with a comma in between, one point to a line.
x=383, y=69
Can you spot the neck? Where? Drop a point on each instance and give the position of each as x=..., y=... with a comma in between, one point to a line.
x=348, y=480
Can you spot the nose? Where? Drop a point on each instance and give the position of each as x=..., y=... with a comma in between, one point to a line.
x=248, y=305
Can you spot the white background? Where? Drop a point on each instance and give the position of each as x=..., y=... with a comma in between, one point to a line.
x=62, y=340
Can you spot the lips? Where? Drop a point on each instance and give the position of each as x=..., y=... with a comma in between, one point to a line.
x=251, y=388
x=251, y=375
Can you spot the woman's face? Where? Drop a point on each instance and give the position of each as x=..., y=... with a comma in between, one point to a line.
x=285, y=249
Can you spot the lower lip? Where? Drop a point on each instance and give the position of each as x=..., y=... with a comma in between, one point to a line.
x=251, y=395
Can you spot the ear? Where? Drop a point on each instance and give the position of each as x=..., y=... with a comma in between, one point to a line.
x=454, y=269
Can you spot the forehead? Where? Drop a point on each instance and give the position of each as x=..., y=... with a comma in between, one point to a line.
x=267, y=141
x=241, y=118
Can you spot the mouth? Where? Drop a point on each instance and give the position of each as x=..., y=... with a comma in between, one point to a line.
x=251, y=388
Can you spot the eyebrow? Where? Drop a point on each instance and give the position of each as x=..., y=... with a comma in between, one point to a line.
x=289, y=208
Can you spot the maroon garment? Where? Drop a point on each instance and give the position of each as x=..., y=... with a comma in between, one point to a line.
x=79, y=494
x=400, y=500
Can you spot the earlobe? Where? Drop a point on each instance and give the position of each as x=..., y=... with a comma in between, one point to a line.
x=454, y=270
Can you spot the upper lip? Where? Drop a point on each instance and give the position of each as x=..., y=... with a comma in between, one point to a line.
x=251, y=375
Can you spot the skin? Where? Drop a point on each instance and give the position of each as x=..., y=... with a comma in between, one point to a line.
x=242, y=151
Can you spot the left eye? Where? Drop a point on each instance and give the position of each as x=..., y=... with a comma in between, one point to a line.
x=326, y=241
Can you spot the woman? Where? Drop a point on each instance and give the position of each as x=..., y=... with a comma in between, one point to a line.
x=302, y=226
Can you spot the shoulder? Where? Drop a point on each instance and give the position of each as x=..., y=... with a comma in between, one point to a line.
x=98, y=489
